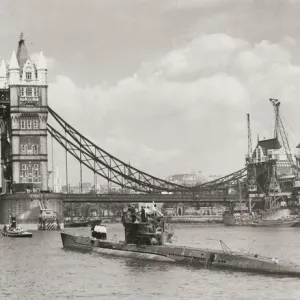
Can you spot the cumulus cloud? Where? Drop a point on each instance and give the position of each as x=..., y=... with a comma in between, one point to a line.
x=187, y=110
x=205, y=53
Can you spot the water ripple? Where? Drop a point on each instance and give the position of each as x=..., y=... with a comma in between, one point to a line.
x=39, y=268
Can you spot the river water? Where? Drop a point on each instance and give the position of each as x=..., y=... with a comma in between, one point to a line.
x=39, y=268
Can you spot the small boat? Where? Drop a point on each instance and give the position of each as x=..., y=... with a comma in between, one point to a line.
x=152, y=240
x=16, y=232
x=12, y=230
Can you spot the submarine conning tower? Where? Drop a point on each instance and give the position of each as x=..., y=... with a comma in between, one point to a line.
x=147, y=233
x=24, y=153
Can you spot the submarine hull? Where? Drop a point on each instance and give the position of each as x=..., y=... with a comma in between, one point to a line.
x=187, y=255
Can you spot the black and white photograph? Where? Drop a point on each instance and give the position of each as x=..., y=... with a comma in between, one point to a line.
x=150, y=149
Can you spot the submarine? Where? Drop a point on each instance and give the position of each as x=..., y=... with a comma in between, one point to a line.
x=152, y=240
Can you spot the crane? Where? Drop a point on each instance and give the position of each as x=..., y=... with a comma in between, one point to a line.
x=279, y=131
x=249, y=138
x=250, y=164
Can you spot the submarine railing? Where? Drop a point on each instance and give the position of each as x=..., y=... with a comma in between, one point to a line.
x=225, y=248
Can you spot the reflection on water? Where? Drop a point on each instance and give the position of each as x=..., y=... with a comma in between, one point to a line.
x=39, y=268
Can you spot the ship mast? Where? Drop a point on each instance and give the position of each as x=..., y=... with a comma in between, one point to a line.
x=251, y=178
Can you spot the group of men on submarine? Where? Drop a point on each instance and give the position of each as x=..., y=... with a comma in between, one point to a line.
x=132, y=215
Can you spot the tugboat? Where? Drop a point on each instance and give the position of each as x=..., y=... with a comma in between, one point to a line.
x=152, y=240
x=12, y=230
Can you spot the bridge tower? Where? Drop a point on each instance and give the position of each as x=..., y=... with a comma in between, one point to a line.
x=24, y=158
x=24, y=127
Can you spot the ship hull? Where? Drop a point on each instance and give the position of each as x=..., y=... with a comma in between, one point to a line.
x=270, y=223
x=82, y=224
x=17, y=235
x=229, y=220
x=180, y=254
x=77, y=224
x=265, y=224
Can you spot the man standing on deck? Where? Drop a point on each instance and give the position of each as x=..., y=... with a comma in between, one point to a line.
x=147, y=211
x=155, y=211
x=143, y=215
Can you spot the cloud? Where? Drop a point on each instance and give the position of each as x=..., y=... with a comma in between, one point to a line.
x=204, y=53
x=187, y=4
x=186, y=110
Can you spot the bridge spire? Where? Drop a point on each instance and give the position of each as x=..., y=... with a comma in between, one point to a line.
x=2, y=69
x=3, y=79
x=14, y=65
x=42, y=69
x=14, y=70
x=41, y=62
x=22, y=53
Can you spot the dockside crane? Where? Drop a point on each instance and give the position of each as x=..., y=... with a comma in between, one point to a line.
x=251, y=176
x=280, y=131
x=249, y=138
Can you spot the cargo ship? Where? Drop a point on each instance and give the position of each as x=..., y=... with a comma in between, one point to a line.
x=153, y=241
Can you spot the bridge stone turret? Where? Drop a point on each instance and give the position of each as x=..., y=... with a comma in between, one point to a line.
x=23, y=123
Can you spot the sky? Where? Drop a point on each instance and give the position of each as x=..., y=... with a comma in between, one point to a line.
x=165, y=85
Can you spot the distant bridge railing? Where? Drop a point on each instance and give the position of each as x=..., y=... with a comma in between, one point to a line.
x=125, y=198
x=135, y=198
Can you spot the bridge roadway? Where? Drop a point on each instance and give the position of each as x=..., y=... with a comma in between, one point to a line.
x=135, y=198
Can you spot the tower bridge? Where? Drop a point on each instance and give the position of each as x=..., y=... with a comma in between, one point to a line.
x=24, y=129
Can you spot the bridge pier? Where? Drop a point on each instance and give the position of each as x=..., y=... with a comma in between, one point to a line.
x=29, y=209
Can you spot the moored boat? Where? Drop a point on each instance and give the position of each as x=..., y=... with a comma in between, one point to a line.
x=275, y=223
x=246, y=219
x=153, y=241
x=76, y=224
x=85, y=223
